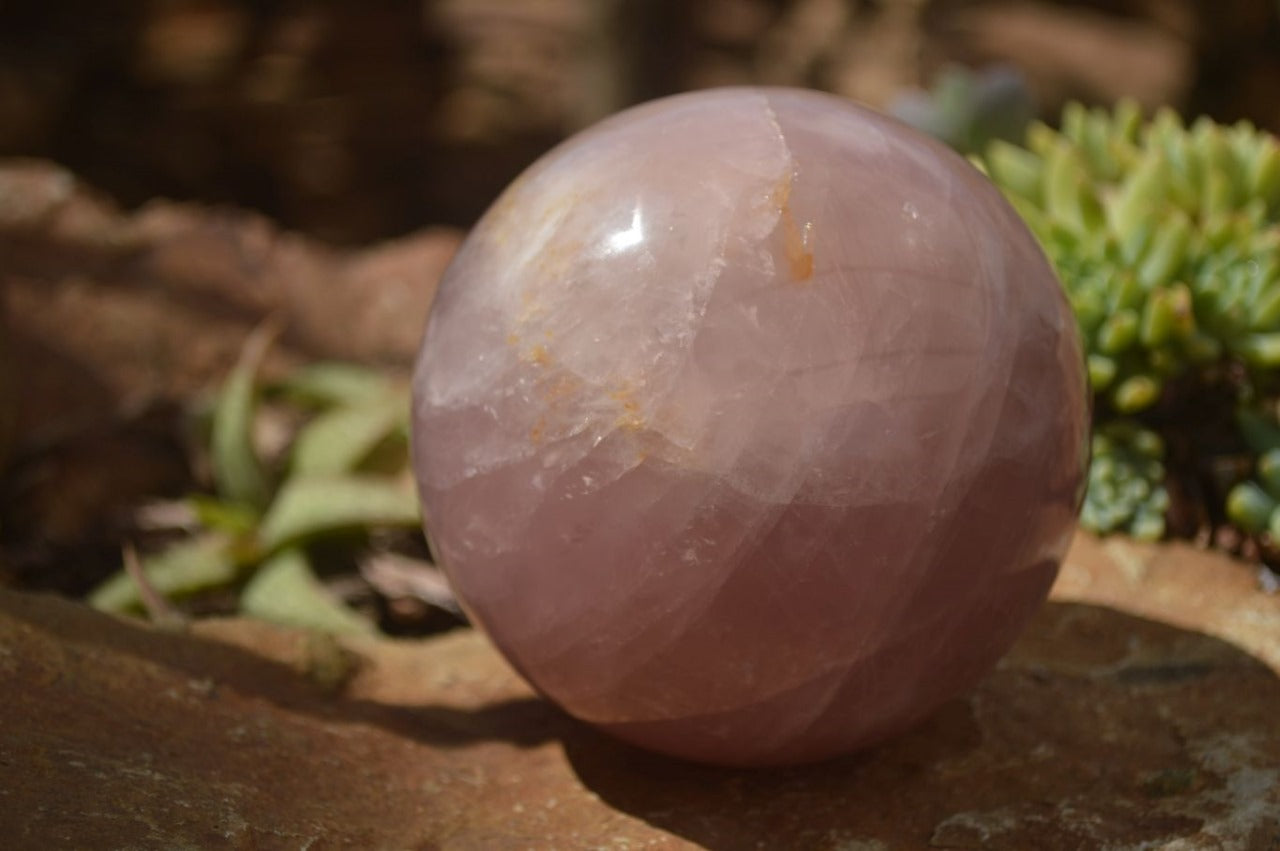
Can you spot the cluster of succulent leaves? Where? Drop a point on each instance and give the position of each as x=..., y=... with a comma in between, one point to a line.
x=1253, y=505
x=344, y=471
x=1167, y=240
x=1126, y=487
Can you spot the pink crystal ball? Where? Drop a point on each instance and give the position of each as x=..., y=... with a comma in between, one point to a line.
x=750, y=425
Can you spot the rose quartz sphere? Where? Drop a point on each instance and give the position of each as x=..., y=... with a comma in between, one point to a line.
x=750, y=425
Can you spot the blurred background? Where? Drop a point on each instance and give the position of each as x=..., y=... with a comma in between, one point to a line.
x=356, y=121
x=328, y=156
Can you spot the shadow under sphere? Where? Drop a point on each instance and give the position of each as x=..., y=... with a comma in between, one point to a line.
x=1099, y=728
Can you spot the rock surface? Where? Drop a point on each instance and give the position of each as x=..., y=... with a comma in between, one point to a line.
x=1139, y=711
x=115, y=319
x=110, y=311
x=694, y=381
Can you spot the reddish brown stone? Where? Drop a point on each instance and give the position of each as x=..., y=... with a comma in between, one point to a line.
x=1101, y=729
x=110, y=311
x=116, y=320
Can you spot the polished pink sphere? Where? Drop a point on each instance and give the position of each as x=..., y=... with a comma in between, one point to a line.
x=750, y=424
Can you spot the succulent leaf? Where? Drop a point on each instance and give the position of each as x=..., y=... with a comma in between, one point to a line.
x=284, y=590
x=237, y=470
x=1250, y=507
x=203, y=562
x=1126, y=491
x=334, y=383
x=339, y=439
x=307, y=506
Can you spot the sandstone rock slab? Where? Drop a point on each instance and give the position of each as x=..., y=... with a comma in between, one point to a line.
x=1139, y=711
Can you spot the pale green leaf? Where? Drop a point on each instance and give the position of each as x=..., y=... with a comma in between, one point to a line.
x=1136, y=393
x=307, y=506
x=237, y=470
x=1250, y=507
x=1261, y=349
x=193, y=565
x=335, y=383
x=1017, y=170
x=337, y=440
x=284, y=590
x=222, y=516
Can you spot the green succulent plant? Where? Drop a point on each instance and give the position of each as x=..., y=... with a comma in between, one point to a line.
x=1126, y=490
x=344, y=470
x=1253, y=505
x=1167, y=240
x=1166, y=237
